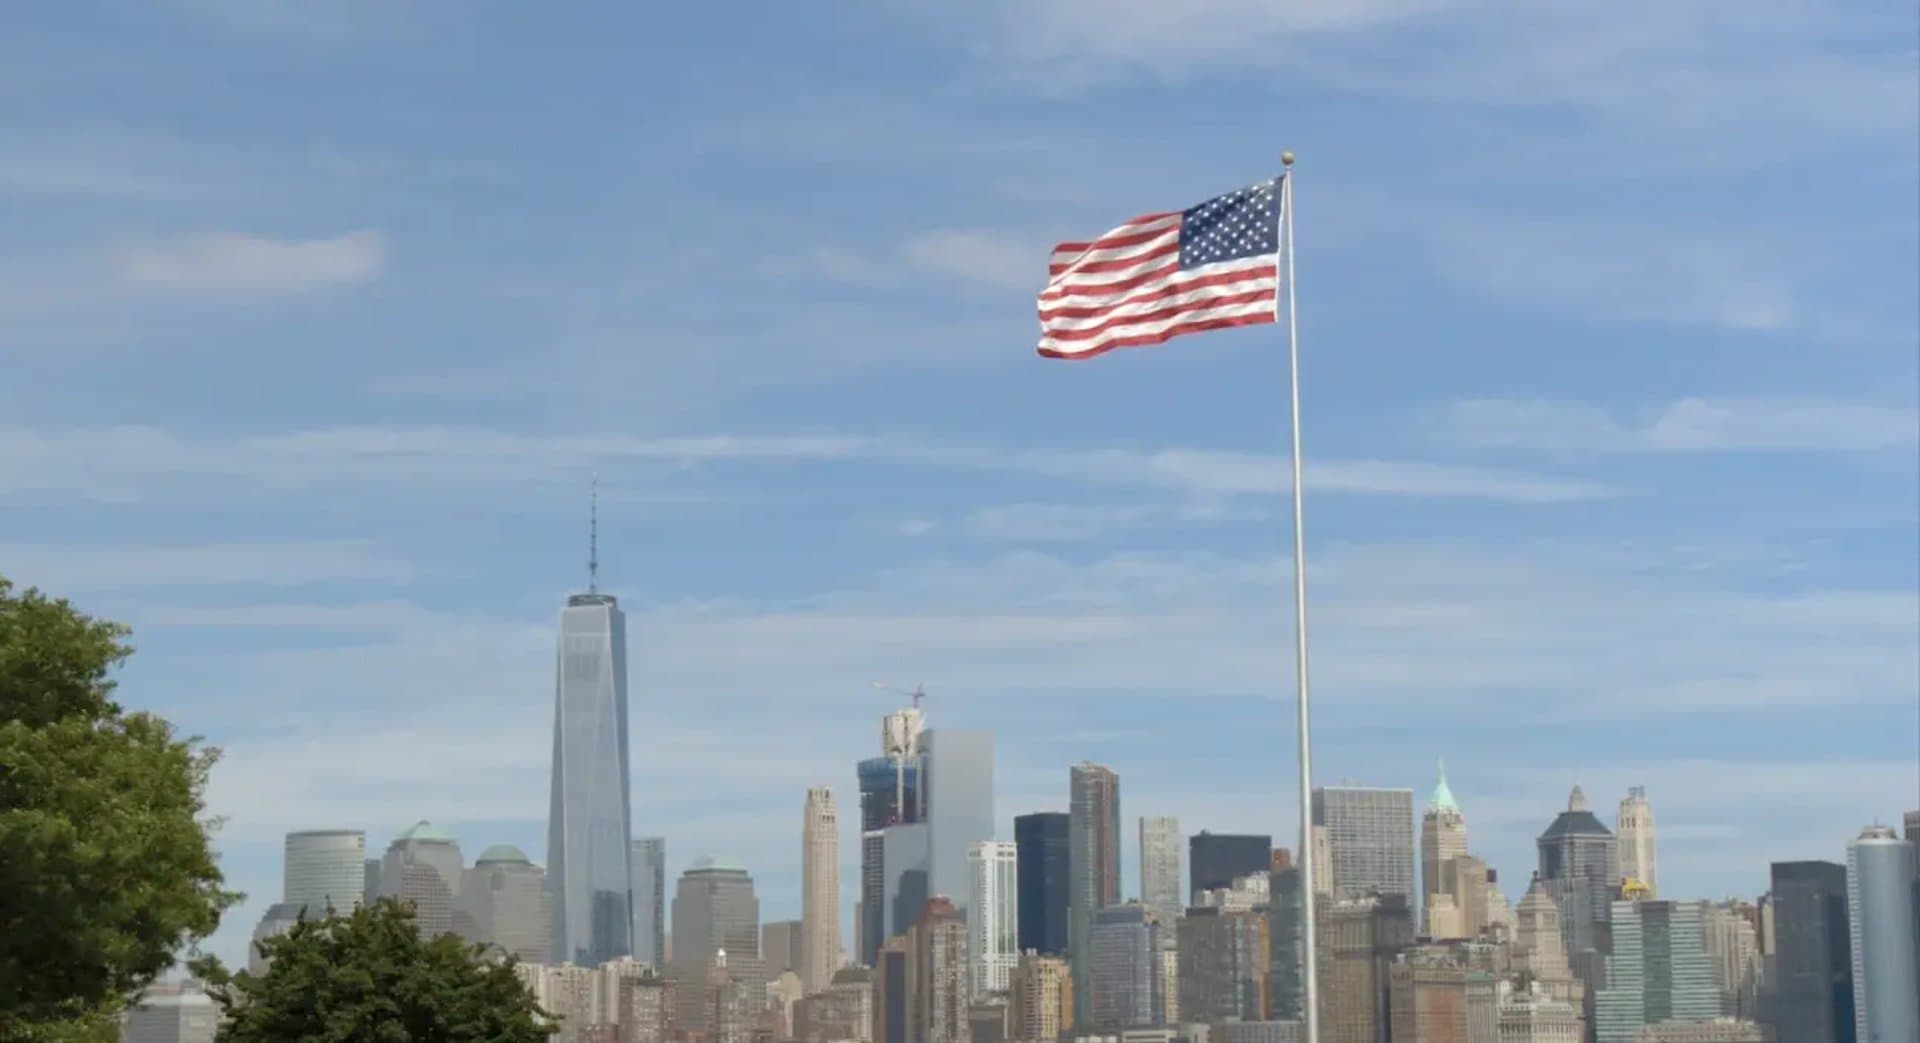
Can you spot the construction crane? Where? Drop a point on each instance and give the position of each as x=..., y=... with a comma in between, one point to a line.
x=918, y=693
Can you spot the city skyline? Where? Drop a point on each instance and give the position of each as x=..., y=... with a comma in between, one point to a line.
x=310, y=394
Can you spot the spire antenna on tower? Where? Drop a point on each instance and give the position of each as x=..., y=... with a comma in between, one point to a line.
x=593, y=537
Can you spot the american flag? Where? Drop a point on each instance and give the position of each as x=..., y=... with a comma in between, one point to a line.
x=1156, y=277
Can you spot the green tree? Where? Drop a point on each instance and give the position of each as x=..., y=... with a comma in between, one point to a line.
x=107, y=869
x=368, y=977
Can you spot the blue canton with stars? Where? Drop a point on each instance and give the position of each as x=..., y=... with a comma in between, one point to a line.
x=1232, y=227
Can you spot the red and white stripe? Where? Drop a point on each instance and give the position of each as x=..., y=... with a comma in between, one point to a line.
x=1126, y=289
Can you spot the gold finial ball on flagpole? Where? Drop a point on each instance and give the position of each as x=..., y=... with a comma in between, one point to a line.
x=1286, y=159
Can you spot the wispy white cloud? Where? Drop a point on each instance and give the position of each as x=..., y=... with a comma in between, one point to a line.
x=128, y=463
x=115, y=566
x=993, y=260
x=235, y=263
x=1692, y=425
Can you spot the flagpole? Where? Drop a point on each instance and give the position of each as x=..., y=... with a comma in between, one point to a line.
x=1310, y=1014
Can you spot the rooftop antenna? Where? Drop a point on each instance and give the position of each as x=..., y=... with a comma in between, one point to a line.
x=593, y=537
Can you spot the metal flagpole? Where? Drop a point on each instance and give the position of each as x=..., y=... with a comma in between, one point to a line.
x=1310, y=1015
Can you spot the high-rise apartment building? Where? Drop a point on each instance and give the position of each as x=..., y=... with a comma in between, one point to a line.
x=1634, y=830
x=1286, y=911
x=993, y=916
x=1125, y=976
x=325, y=869
x=504, y=898
x=1160, y=867
x=819, y=890
x=939, y=997
x=1369, y=840
x=1042, y=844
x=1093, y=864
x=1808, y=997
x=1216, y=860
x=1357, y=940
x=1042, y=998
x=1443, y=838
x=650, y=900
x=1886, y=967
x=714, y=910
x=423, y=866
x=1580, y=864
x=1224, y=965
x=959, y=793
x=589, y=842
x=1660, y=970
x=1733, y=941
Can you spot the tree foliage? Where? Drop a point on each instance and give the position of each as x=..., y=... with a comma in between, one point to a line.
x=368, y=977
x=106, y=866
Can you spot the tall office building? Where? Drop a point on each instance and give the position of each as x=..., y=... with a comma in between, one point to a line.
x=1093, y=864
x=1539, y=950
x=1042, y=999
x=958, y=775
x=1224, y=965
x=890, y=795
x=1808, y=997
x=589, y=842
x=1659, y=972
x=1041, y=843
x=1733, y=940
x=993, y=917
x=1357, y=939
x=1369, y=840
x=906, y=886
x=1886, y=968
x=1217, y=860
x=423, y=866
x=1435, y=995
x=1286, y=912
x=1634, y=830
x=1160, y=867
x=1580, y=864
x=504, y=898
x=1125, y=976
x=325, y=869
x=893, y=992
x=650, y=900
x=782, y=947
x=819, y=890
x=938, y=996
x=714, y=910
x=1443, y=838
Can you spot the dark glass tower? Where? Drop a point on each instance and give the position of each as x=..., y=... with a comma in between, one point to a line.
x=1580, y=865
x=1216, y=860
x=881, y=786
x=1093, y=866
x=588, y=842
x=1809, y=996
x=1040, y=840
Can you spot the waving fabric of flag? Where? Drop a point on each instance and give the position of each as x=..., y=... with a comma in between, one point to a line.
x=1156, y=277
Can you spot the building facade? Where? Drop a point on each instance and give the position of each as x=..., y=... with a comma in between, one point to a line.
x=1443, y=838
x=1369, y=841
x=325, y=869
x=889, y=796
x=649, y=863
x=1531, y=1016
x=819, y=890
x=1216, y=860
x=939, y=996
x=1042, y=999
x=1660, y=970
x=504, y=898
x=1041, y=842
x=1160, y=866
x=1093, y=864
x=1580, y=865
x=1434, y=996
x=423, y=867
x=1809, y=991
x=959, y=795
x=993, y=916
x=1357, y=941
x=1224, y=965
x=589, y=843
x=1886, y=969
x=1286, y=910
x=1125, y=977
x=714, y=911
x=1634, y=829
x=171, y=1013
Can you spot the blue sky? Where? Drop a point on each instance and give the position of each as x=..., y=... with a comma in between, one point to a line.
x=316, y=319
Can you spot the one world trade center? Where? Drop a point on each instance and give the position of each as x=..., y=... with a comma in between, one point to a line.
x=588, y=832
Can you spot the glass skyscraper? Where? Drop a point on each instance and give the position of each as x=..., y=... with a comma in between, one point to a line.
x=1040, y=842
x=588, y=842
x=1216, y=860
x=650, y=900
x=1809, y=991
x=1886, y=968
x=959, y=795
x=1093, y=865
x=325, y=869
